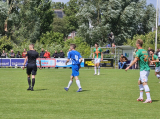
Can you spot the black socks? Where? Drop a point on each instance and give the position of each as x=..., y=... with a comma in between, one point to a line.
x=29, y=81
x=33, y=82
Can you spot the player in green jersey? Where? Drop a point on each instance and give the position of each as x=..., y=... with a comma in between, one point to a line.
x=143, y=61
x=155, y=61
x=98, y=57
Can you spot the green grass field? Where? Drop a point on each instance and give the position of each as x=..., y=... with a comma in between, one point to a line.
x=112, y=95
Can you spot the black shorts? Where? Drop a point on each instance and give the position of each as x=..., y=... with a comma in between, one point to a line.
x=31, y=68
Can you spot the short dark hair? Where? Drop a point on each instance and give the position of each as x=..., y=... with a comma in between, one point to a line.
x=97, y=44
x=152, y=50
x=73, y=45
x=140, y=42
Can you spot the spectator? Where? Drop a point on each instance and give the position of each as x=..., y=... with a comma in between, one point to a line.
x=158, y=53
x=55, y=55
x=113, y=48
x=149, y=51
x=68, y=52
x=3, y=55
x=47, y=54
x=122, y=62
x=109, y=45
x=18, y=55
x=42, y=53
x=111, y=38
x=0, y=54
x=12, y=55
x=24, y=53
x=61, y=54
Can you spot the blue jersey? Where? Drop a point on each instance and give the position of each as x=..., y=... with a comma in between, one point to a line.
x=74, y=56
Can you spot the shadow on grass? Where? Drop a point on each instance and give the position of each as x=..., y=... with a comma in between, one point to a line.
x=155, y=100
x=40, y=89
x=85, y=90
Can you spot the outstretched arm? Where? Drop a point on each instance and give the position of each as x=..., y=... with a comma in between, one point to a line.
x=134, y=61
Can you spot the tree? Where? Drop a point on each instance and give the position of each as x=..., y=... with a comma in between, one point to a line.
x=28, y=19
x=70, y=10
x=59, y=25
x=124, y=18
x=148, y=40
x=3, y=16
x=57, y=5
x=52, y=37
x=6, y=43
x=46, y=14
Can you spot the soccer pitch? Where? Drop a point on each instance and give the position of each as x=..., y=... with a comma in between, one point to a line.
x=112, y=95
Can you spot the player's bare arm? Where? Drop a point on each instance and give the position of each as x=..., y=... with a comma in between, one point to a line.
x=40, y=63
x=67, y=61
x=101, y=56
x=93, y=55
x=157, y=60
x=25, y=62
x=134, y=61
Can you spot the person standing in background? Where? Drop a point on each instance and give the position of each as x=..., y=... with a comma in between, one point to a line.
x=55, y=55
x=24, y=53
x=47, y=54
x=61, y=54
x=42, y=53
x=149, y=51
x=3, y=55
x=12, y=55
x=18, y=55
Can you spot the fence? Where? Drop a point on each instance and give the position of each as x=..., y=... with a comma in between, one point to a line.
x=53, y=62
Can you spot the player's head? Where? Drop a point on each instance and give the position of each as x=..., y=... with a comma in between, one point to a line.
x=96, y=45
x=31, y=47
x=72, y=46
x=151, y=51
x=139, y=43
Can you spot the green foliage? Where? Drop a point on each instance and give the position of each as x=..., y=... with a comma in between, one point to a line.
x=46, y=14
x=98, y=18
x=57, y=5
x=148, y=40
x=52, y=37
x=5, y=43
x=71, y=8
x=3, y=16
x=81, y=46
x=59, y=25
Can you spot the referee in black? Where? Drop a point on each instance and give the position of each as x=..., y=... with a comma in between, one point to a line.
x=31, y=56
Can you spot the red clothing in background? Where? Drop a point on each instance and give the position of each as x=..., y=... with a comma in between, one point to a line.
x=24, y=54
x=47, y=54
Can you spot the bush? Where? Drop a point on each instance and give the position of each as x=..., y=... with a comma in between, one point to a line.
x=148, y=40
x=5, y=43
x=52, y=37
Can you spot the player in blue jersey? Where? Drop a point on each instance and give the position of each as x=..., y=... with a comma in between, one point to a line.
x=76, y=61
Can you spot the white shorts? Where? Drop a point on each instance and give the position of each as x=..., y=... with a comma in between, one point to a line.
x=157, y=69
x=144, y=76
x=97, y=60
